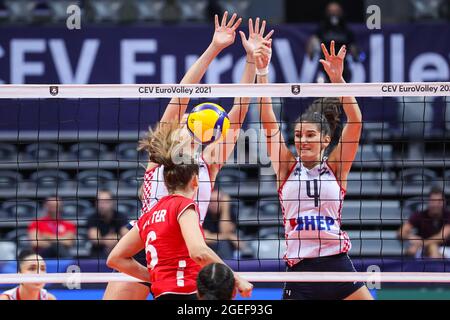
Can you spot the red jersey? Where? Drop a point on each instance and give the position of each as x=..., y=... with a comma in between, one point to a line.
x=169, y=264
x=52, y=226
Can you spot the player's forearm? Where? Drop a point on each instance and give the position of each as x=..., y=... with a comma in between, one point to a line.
x=198, y=69
x=129, y=266
x=268, y=118
x=240, y=105
x=350, y=106
x=352, y=111
x=203, y=255
x=177, y=106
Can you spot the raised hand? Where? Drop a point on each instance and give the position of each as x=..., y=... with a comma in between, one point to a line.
x=256, y=37
x=225, y=33
x=263, y=54
x=334, y=64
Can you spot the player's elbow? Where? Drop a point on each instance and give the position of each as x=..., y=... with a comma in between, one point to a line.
x=113, y=260
x=199, y=254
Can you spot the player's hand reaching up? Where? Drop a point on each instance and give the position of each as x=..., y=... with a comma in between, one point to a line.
x=263, y=54
x=225, y=33
x=256, y=37
x=334, y=64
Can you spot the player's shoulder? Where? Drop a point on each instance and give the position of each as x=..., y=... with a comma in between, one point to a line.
x=184, y=201
x=181, y=204
x=8, y=294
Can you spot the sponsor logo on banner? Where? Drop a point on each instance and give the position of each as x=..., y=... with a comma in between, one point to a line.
x=295, y=89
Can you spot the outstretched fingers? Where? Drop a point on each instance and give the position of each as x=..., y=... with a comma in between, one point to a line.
x=250, y=27
x=230, y=23
x=267, y=37
x=332, y=51
x=263, y=28
x=216, y=21
x=257, y=25
x=342, y=52
x=237, y=24
x=325, y=51
x=243, y=38
x=224, y=19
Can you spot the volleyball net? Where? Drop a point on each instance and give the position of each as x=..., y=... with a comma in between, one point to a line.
x=69, y=157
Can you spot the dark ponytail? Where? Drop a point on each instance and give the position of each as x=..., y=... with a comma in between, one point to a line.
x=215, y=282
x=325, y=112
x=166, y=146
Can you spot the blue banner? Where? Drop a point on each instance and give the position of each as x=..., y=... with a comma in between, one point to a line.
x=418, y=52
x=162, y=54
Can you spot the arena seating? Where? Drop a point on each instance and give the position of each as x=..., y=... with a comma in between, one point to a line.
x=77, y=169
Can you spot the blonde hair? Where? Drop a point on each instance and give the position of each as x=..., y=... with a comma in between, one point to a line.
x=166, y=146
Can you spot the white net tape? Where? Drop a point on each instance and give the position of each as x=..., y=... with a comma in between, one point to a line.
x=395, y=277
x=410, y=89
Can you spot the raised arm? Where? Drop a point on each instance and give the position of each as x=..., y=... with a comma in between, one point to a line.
x=224, y=35
x=217, y=154
x=341, y=159
x=199, y=250
x=281, y=157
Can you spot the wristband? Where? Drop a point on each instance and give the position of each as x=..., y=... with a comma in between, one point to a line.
x=262, y=72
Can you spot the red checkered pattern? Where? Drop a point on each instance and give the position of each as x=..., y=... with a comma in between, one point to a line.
x=147, y=190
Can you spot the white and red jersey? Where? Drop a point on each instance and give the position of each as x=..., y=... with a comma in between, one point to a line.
x=14, y=294
x=170, y=266
x=154, y=188
x=311, y=202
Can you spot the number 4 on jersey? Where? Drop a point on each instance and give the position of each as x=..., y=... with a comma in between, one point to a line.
x=316, y=194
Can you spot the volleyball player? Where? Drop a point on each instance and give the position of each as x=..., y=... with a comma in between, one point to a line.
x=211, y=160
x=312, y=185
x=215, y=282
x=170, y=231
x=29, y=263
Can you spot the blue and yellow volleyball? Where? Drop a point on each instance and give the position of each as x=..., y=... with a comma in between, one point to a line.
x=208, y=122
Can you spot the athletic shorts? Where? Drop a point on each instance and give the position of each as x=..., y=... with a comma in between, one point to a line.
x=171, y=296
x=321, y=290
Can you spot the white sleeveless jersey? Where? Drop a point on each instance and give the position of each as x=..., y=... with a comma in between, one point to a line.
x=311, y=202
x=154, y=188
x=13, y=294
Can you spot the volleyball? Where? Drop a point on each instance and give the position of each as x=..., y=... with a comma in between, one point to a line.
x=207, y=122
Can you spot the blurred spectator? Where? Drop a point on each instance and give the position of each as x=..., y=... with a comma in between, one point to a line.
x=432, y=228
x=51, y=236
x=214, y=7
x=333, y=27
x=106, y=226
x=29, y=263
x=220, y=228
x=215, y=282
x=171, y=12
x=429, y=10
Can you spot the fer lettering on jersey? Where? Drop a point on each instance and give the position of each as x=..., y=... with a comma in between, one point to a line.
x=159, y=216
